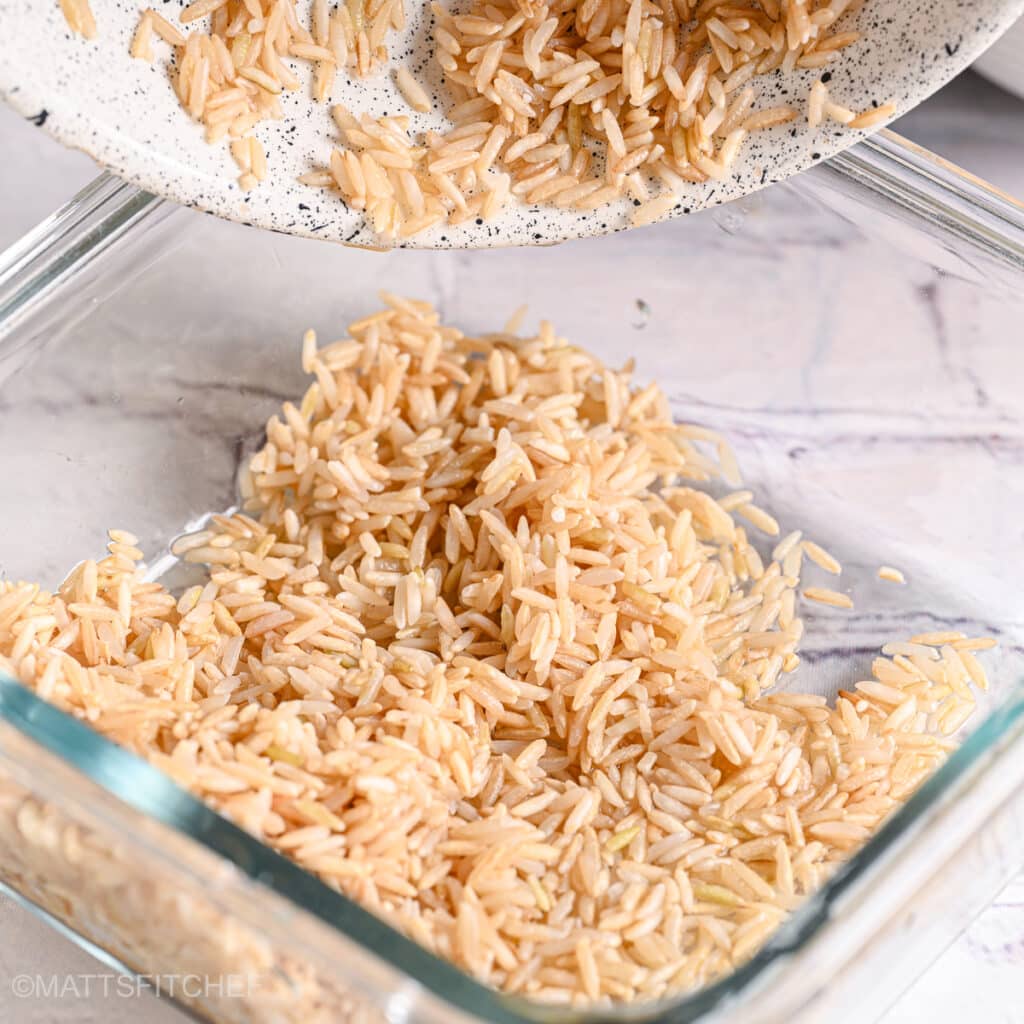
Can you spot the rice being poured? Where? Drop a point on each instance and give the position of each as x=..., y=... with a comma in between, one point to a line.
x=583, y=102
x=576, y=104
x=482, y=654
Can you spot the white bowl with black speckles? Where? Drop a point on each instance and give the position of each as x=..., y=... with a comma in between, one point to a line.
x=1003, y=63
x=92, y=96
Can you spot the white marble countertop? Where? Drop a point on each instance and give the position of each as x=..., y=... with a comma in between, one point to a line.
x=980, y=977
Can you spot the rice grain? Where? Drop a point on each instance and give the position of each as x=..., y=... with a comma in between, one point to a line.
x=891, y=575
x=78, y=14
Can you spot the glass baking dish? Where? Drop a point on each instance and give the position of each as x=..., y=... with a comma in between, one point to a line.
x=846, y=331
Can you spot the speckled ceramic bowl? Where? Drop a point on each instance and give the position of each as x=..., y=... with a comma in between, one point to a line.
x=91, y=95
x=1004, y=62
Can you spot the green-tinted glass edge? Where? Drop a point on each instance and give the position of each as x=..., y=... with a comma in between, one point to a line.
x=148, y=791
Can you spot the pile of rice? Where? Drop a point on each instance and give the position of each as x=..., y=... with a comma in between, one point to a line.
x=577, y=103
x=230, y=77
x=482, y=654
x=585, y=101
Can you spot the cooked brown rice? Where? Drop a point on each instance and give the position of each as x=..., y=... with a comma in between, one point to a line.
x=78, y=14
x=817, y=554
x=598, y=100
x=574, y=106
x=482, y=653
x=891, y=574
x=230, y=77
x=825, y=596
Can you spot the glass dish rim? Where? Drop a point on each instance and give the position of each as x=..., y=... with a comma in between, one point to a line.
x=157, y=797
x=918, y=183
